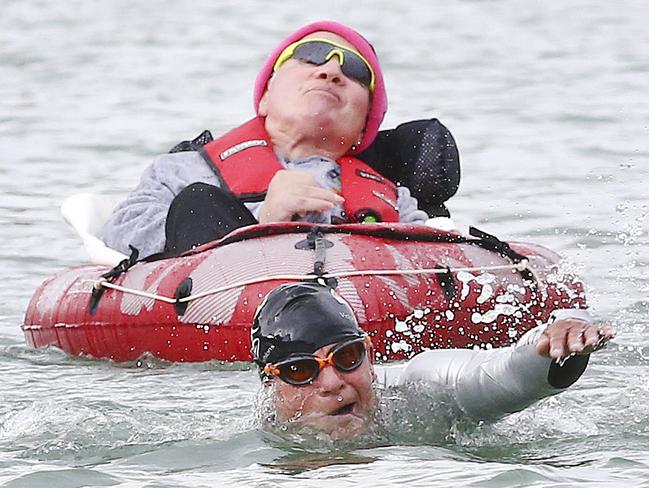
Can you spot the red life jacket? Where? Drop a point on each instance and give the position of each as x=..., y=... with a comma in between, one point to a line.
x=245, y=162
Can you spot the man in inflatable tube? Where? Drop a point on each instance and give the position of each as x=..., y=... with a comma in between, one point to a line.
x=311, y=154
x=316, y=359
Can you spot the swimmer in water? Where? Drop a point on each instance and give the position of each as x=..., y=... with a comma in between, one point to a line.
x=311, y=351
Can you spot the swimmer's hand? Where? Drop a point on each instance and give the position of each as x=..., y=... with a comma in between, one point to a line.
x=572, y=336
x=293, y=193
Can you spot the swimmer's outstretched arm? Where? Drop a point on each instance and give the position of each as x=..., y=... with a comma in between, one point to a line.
x=490, y=384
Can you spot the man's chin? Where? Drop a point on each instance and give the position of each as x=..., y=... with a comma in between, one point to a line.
x=337, y=427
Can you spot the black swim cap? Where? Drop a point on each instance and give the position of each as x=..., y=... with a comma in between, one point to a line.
x=300, y=318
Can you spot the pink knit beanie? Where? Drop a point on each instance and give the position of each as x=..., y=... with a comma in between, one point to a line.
x=379, y=98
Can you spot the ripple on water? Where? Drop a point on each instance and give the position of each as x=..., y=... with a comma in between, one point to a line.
x=62, y=478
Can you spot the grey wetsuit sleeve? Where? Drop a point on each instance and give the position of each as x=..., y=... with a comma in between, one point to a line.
x=408, y=211
x=140, y=219
x=490, y=384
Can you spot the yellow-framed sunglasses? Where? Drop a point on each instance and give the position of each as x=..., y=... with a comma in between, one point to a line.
x=319, y=51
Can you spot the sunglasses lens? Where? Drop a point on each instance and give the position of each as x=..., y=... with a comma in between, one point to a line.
x=312, y=52
x=356, y=69
x=349, y=357
x=299, y=372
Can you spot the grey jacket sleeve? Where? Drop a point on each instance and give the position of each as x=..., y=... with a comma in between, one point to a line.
x=140, y=219
x=490, y=384
x=409, y=213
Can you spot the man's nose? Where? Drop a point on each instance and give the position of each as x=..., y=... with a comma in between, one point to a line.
x=330, y=380
x=331, y=70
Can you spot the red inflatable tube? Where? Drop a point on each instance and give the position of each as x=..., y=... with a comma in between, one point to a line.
x=411, y=287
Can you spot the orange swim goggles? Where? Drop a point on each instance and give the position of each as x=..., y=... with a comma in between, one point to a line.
x=319, y=51
x=345, y=357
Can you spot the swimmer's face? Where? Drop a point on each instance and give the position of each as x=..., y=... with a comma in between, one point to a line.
x=337, y=403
